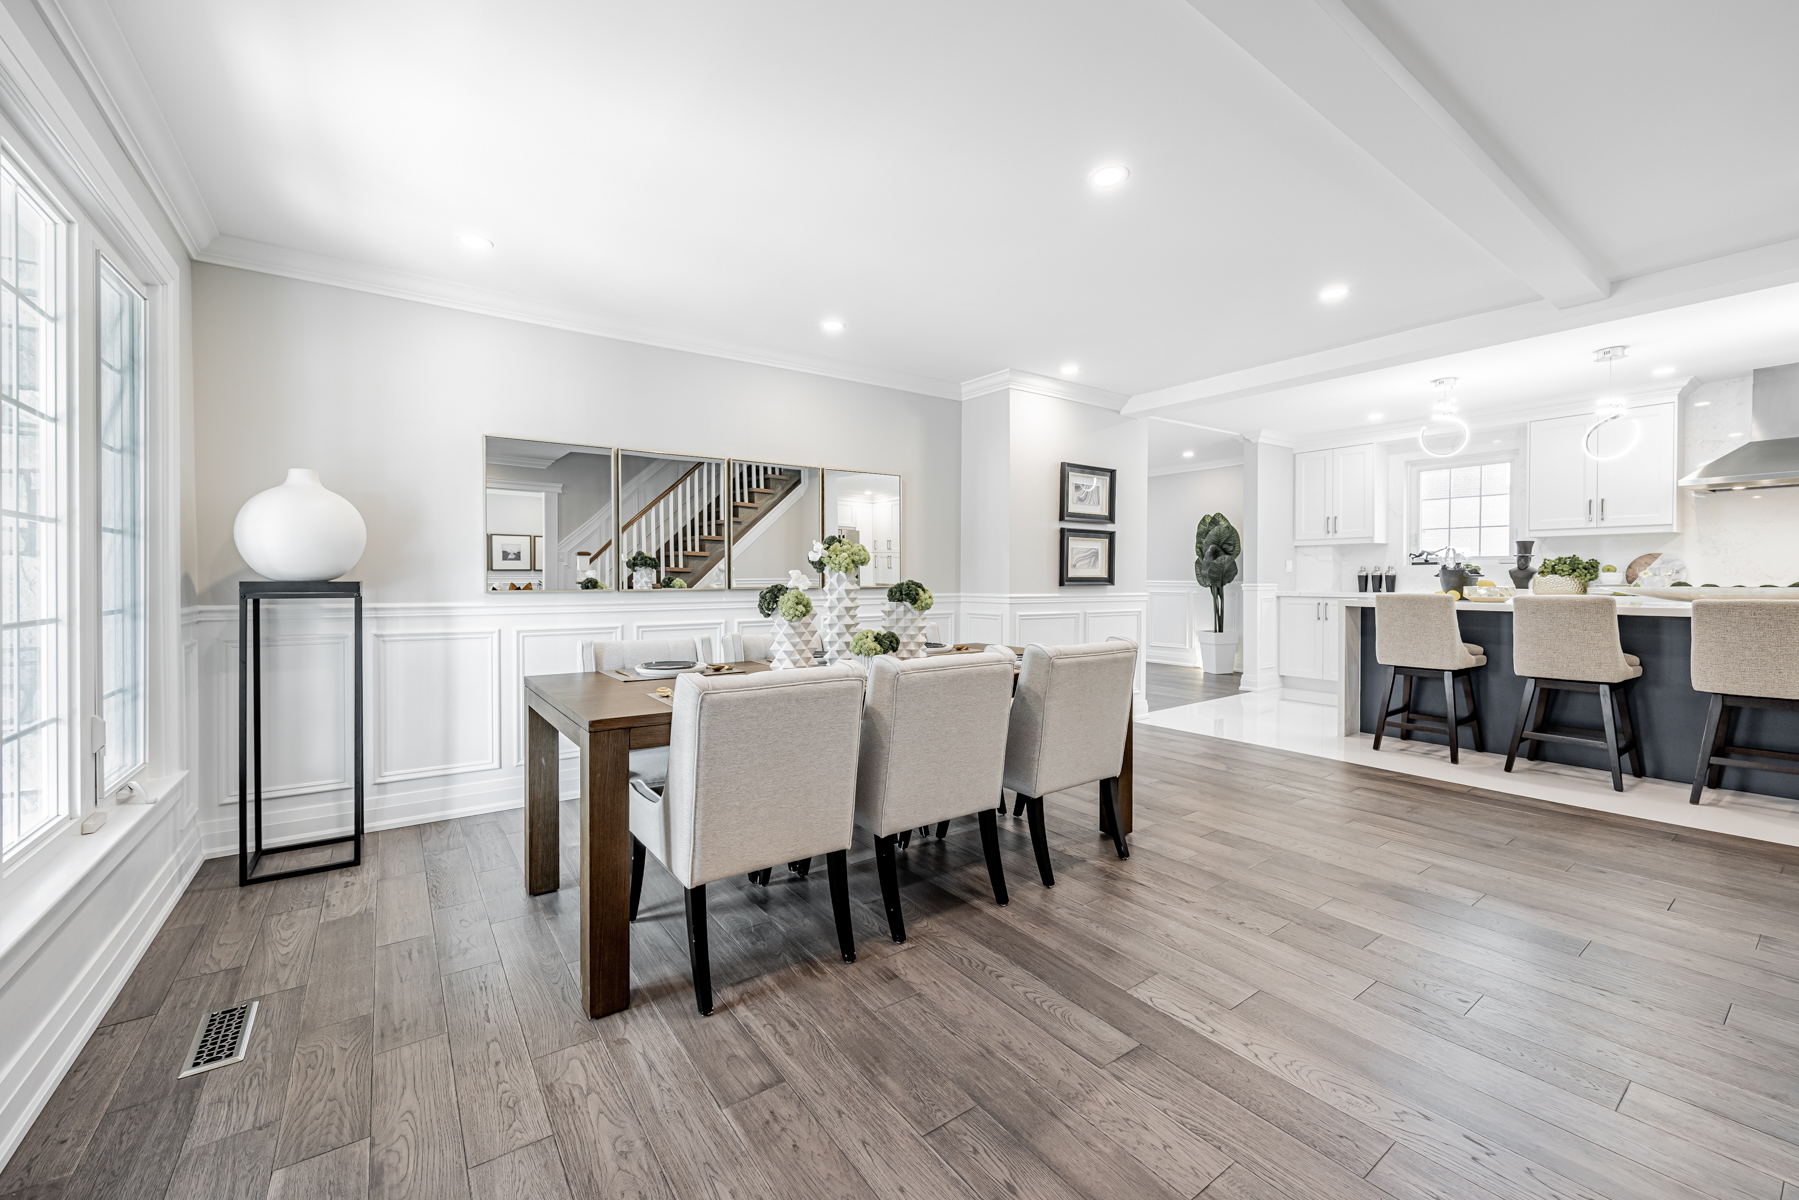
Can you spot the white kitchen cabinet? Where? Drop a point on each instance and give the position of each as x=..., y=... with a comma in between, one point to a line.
x=1340, y=496
x=1311, y=631
x=1629, y=488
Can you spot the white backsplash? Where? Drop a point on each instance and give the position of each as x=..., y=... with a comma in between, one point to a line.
x=1747, y=538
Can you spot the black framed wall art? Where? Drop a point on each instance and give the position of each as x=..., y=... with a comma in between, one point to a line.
x=1088, y=493
x=1087, y=557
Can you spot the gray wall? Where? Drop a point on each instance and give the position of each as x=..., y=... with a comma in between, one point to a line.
x=1176, y=503
x=389, y=400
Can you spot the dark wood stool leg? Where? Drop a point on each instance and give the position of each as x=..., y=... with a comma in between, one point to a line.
x=837, y=867
x=698, y=953
x=1523, y=724
x=1628, y=726
x=638, y=852
x=1405, y=710
x=1455, y=731
x=996, y=870
x=1108, y=803
x=1708, y=746
x=1386, y=703
x=1610, y=720
x=1536, y=748
x=1720, y=742
x=1039, y=838
x=1480, y=746
x=943, y=829
x=890, y=897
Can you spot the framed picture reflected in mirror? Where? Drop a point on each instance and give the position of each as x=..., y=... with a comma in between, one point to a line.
x=1087, y=557
x=1087, y=493
x=509, y=552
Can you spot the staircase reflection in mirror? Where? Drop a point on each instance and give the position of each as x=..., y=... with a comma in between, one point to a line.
x=775, y=517
x=675, y=509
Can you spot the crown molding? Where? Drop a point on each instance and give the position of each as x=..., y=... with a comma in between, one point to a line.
x=1210, y=464
x=95, y=45
x=229, y=251
x=1011, y=379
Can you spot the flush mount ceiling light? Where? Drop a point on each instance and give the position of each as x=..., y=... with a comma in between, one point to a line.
x=1375, y=416
x=475, y=241
x=1186, y=454
x=1664, y=371
x=1610, y=408
x=831, y=325
x=1334, y=292
x=1071, y=368
x=1109, y=176
x=1445, y=427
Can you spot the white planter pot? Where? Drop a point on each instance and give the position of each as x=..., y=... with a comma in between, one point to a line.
x=906, y=623
x=643, y=578
x=299, y=530
x=792, y=647
x=1218, y=653
x=839, y=613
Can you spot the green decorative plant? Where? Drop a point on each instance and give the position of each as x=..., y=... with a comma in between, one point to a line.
x=844, y=556
x=816, y=560
x=674, y=581
x=1681, y=583
x=794, y=606
x=1572, y=566
x=1708, y=585
x=910, y=591
x=889, y=640
x=589, y=583
x=642, y=559
x=1218, y=546
x=768, y=597
x=865, y=644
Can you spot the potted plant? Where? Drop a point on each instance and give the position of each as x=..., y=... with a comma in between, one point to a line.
x=907, y=603
x=1565, y=576
x=674, y=581
x=643, y=567
x=793, y=630
x=1218, y=546
x=840, y=559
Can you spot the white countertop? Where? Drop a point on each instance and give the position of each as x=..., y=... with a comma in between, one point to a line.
x=1628, y=606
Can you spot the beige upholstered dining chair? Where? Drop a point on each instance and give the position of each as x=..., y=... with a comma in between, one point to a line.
x=1743, y=655
x=1570, y=644
x=1416, y=636
x=1070, y=714
x=747, y=786
x=649, y=763
x=933, y=748
x=744, y=647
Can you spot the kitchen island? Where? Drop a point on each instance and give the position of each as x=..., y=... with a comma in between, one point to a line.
x=1669, y=714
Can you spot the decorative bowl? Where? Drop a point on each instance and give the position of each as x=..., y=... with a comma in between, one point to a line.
x=1558, y=585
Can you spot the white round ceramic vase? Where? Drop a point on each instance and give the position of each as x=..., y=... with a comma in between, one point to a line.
x=299, y=530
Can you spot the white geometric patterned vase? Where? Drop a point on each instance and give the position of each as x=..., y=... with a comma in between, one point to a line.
x=908, y=624
x=793, y=644
x=841, y=611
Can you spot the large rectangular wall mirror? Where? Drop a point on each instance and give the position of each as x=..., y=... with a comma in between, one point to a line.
x=673, y=516
x=549, y=516
x=775, y=515
x=865, y=508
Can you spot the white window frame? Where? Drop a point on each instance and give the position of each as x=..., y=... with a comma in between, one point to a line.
x=1414, y=495
x=117, y=770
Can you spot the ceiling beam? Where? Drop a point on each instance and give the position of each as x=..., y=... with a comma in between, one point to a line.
x=1330, y=60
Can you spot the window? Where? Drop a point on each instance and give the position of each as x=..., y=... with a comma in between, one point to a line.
x=32, y=624
x=121, y=525
x=1468, y=507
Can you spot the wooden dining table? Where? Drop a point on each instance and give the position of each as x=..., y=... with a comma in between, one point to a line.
x=607, y=717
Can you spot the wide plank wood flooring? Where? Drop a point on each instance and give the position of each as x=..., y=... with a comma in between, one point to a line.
x=1310, y=980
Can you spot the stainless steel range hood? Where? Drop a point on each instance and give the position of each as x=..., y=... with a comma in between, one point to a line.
x=1771, y=458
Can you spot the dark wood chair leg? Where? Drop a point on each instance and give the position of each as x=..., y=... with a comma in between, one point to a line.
x=1627, y=725
x=1455, y=731
x=888, y=870
x=996, y=870
x=1001, y=810
x=1108, y=803
x=942, y=829
x=1386, y=704
x=1708, y=746
x=1480, y=745
x=904, y=838
x=1405, y=709
x=1039, y=839
x=1542, y=714
x=638, y=853
x=698, y=953
x=801, y=867
x=1523, y=724
x=837, y=868
x=1609, y=717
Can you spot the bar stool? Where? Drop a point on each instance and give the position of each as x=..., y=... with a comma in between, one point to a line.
x=1742, y=655
x=1416, y=636
x=1570, y=644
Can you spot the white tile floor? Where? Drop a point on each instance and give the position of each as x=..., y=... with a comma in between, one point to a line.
x=1300, y=723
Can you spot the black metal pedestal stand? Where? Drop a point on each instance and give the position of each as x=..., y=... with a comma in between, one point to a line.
x=250, y=596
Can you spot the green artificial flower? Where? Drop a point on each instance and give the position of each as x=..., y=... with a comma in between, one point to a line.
x=866, y=643
x=642, y=559
x=926, y=600
x=590, y=583
x=768, y=597
x=845, y=556
x=816, y=559
x=794, y=606
x=674, y=582
x=889, y=641
x=910, y=591
x=1572, y=566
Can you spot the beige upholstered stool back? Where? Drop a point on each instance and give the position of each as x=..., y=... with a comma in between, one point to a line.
x=1418, y=629
x=1746, y=648
x=1569, y=637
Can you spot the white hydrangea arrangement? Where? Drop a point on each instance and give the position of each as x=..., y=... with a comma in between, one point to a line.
x=794, y=606
x=838, y=554
x=866, y=644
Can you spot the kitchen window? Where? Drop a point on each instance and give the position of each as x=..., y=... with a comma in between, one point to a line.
x=1468, y=506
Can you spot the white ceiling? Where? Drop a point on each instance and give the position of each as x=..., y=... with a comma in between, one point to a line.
x=723, y=176
x=1177, y=446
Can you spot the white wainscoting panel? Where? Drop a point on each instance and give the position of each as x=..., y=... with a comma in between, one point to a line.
x=439, y=703
x=307, y=719
x=1049, y=628
x=549, y=652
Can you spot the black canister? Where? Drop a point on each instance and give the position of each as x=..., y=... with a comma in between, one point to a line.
x=1361, y=580
x=1392, y=583
x=1377, y=581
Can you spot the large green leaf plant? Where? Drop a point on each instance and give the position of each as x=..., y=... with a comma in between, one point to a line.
x=1218, y=546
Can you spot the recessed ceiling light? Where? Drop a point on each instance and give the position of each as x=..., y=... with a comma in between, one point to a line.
x=1186, y=454
x=1071, y=368
x=1109, y=176
x=1663, y=371
x=1375, y=416
x=1702, y=404
x=1738, y=435
x=1334, y=293
x=831, y=325
x=475, y=241
x=868, y=493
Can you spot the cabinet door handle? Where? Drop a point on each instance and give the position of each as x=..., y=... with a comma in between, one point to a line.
x=1589, y=510
x=1602, y=508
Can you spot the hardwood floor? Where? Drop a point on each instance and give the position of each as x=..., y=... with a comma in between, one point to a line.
x=1170, y=686
x=1311, y=979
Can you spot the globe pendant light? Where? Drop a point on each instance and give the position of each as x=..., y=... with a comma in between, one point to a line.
x=1444, y=420
x=1610, y=408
